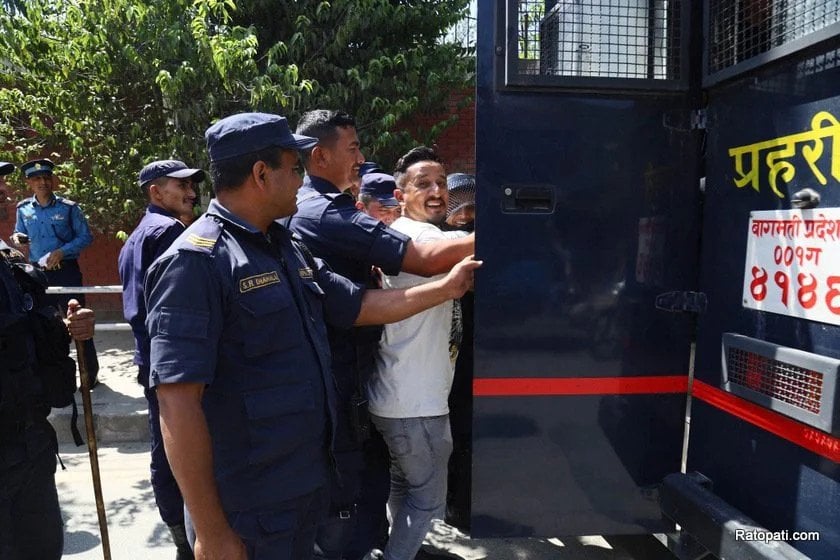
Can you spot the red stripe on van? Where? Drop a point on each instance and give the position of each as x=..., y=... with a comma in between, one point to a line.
x=537, y=386
x=812, y=439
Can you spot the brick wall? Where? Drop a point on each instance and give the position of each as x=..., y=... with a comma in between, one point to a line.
x=99, y=261
x=457, y=143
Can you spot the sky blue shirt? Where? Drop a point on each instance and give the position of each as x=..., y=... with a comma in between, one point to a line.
x=58, y=225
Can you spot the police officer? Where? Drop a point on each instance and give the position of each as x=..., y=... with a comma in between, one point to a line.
x=352, y=243
x=30, y=519
x=170, y=188
x=56, y=231
x=240, y=360
x=376, y=198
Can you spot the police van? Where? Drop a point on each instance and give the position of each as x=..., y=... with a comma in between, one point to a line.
x=659, y=215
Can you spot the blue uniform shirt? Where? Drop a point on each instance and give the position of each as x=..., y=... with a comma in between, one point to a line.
x=58, y=225
x=352, y=242
x=152, y=236
x=245, y=314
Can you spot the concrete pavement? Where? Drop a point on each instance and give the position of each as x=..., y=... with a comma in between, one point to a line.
x=119, y=408
x=135, y=529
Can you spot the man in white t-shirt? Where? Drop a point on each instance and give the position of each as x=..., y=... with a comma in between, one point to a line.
x=409, y=390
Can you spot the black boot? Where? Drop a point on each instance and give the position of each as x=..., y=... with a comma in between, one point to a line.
x=179, y=537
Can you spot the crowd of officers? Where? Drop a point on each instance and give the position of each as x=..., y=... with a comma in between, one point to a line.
x=260, y=343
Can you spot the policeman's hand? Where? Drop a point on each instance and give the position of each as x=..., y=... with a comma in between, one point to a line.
x=460, y=278
x=80, y=321
x=54, y=259
x=226, y=546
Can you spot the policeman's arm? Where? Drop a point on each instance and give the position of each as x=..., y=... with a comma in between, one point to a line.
x=184, y=320
x=380, y=307
x=82, y=237
x=186, y=440
x=20, y=227
x=429, y=259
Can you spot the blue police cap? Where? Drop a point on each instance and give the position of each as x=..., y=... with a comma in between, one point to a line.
x=37, y=167
x=381, y=187
x=6, y=167
x=369, y=167
x=168, y=168
x=246, y=133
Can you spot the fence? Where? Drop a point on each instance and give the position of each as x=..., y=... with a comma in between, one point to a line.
x=94, y=290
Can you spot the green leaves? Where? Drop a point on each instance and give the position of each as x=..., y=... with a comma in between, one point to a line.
x=110, y=86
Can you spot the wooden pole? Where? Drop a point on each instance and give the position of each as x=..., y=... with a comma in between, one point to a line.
x=92, y=449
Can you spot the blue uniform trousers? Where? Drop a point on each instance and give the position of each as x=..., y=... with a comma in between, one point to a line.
x=168, y=497
x=371, y=528
x=287, y=532
x=30, y=518
x=71, y=275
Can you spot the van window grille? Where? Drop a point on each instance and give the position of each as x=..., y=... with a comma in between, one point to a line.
x=788, y=383
x=635, y=39
x=742, y=29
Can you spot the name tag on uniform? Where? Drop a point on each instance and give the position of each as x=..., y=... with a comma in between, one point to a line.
x=58, y=217
x=258, y=281
x=305, y=273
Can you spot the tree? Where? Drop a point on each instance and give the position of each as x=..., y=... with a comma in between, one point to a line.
x=105, y=86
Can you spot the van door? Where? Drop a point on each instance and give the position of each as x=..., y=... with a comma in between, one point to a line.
x=588, y=210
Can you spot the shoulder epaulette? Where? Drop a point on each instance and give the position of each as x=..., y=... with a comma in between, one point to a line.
x=24, y=201
x=66, y=201
x=202, y=236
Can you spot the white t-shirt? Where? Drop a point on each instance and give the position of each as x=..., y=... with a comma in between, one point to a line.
x=413, y=373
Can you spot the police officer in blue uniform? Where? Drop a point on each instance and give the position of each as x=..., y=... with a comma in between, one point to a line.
x=240, y=360
x=376, y=197
x=352, y=243
x=30, y=518
x=56, y=231
x=170, y=188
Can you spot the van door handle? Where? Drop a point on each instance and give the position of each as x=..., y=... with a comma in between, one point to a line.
x=528, y=199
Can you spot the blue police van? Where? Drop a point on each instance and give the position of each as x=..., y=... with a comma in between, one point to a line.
x=658, y=316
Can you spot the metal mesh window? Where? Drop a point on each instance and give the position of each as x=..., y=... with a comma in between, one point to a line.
x=741, y=29
x=820, y=63
x=794, y=385
x=635, y=39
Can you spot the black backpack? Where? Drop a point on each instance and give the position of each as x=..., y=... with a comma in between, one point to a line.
x=54, y=367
